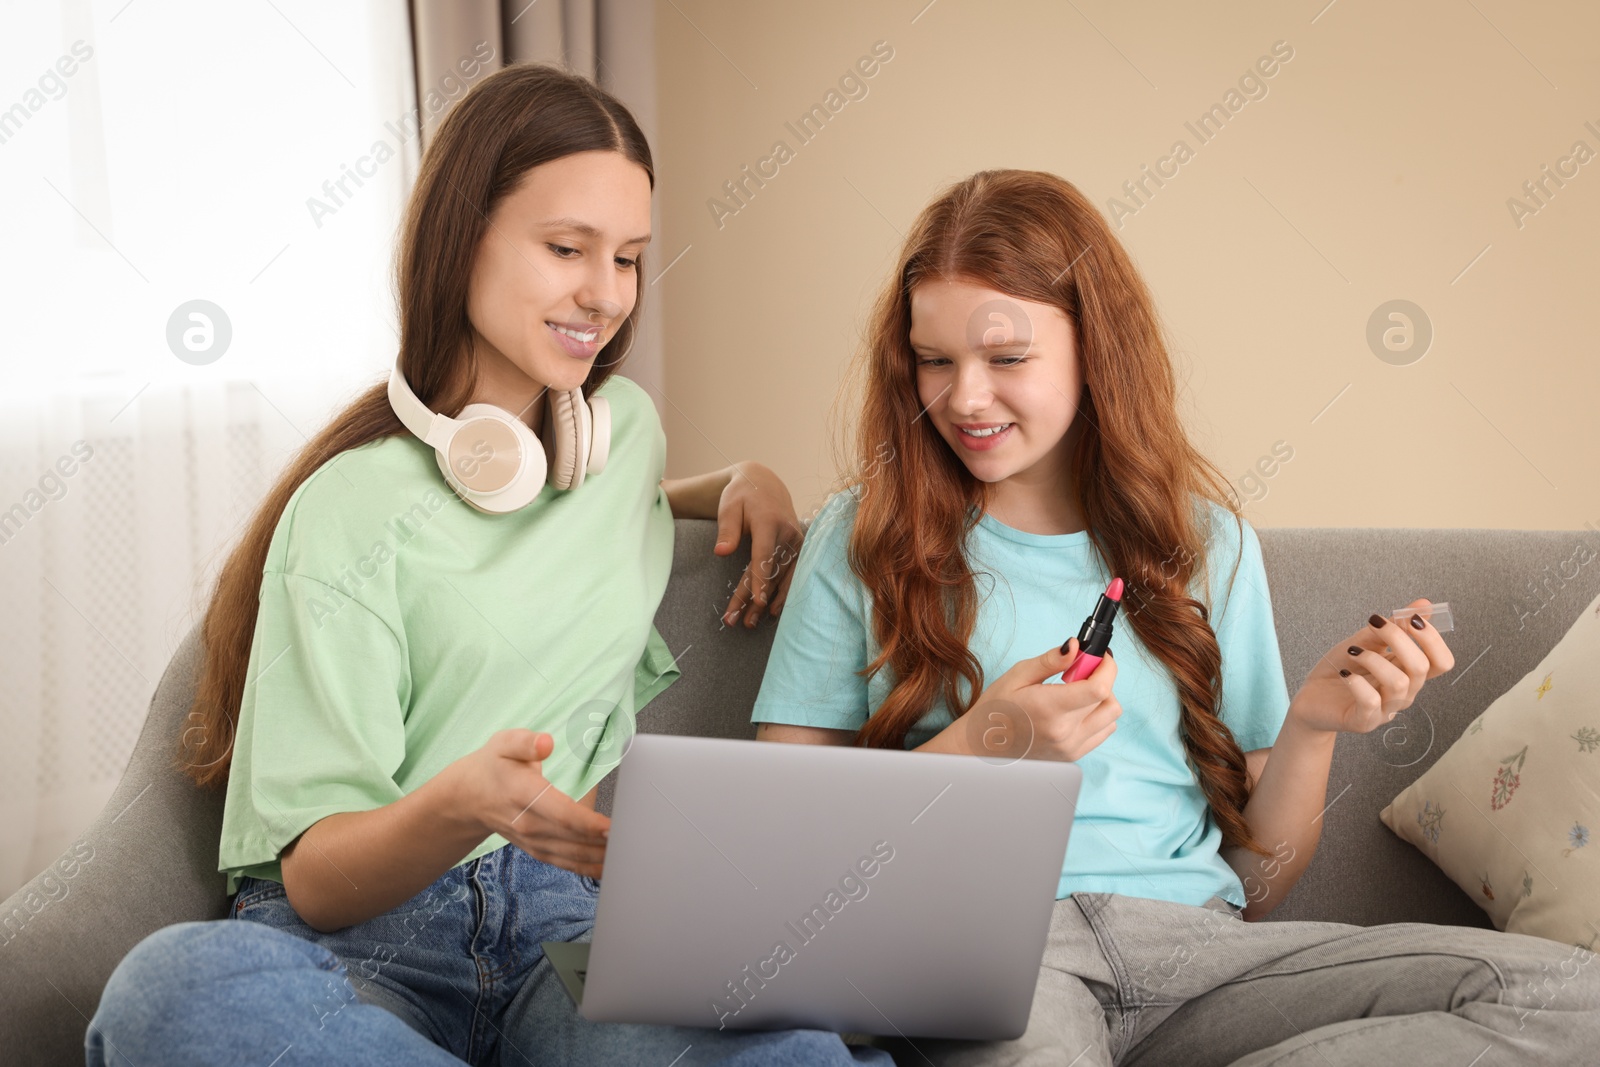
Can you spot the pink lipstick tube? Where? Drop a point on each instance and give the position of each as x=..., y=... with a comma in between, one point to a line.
x=1095, y=637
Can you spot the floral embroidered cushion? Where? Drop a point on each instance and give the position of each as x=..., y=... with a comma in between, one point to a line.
x=1510, y=811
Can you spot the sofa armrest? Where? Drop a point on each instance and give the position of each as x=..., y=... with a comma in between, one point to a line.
x=148, y=860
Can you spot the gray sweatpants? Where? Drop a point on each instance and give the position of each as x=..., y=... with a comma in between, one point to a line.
x=1145, y=983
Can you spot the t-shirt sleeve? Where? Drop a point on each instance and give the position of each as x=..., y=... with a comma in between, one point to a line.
x=821, y=642
x=1255, y=699
x=322, y=722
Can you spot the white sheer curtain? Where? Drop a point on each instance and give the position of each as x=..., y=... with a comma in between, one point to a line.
x=155, y=153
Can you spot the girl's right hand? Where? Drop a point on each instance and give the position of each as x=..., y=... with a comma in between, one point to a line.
x=1020, y=717
x=502, y=788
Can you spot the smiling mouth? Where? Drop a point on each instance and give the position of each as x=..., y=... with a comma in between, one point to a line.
x=587, y=337
x=990, y=432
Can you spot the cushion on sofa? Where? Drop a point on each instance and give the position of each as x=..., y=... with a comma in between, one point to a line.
x=1511, y=810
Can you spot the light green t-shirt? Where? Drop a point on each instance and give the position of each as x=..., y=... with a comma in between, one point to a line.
x=399, y=628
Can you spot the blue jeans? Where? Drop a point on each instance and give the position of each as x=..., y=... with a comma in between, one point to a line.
x=453, y=975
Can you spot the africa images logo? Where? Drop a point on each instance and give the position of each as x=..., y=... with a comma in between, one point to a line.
x=349, y=582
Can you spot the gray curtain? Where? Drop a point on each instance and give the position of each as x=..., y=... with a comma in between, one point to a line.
x=610, y=41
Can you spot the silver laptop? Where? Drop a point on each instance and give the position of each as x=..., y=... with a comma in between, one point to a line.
x=758, y=885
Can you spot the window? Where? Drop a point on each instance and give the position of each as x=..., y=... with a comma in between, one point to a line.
x=156, y=153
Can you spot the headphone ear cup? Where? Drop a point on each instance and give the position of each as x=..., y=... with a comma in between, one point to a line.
x=493, y=461
x=567, y=432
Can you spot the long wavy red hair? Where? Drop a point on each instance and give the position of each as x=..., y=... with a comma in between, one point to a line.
x=1140, y=483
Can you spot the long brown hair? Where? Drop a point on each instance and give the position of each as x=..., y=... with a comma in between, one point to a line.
x=513, y=120
x=1139, y=481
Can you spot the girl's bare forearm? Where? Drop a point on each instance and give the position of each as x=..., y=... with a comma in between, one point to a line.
x=697, y=496
x=1284, y=813
x=353, y=865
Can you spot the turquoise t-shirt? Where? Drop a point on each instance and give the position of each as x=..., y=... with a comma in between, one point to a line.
x=1142, y=827
x=399, y=628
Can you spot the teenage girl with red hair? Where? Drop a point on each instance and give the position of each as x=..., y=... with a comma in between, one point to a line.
x=1018, y=446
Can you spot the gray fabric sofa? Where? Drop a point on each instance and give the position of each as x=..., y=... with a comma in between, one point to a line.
x=150, y=858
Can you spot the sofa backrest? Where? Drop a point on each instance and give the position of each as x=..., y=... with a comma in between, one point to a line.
x=153, y=850
x=1514, y=593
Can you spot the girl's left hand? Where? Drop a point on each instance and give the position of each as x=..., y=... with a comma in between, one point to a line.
x=756, y=501
x=1364, y=681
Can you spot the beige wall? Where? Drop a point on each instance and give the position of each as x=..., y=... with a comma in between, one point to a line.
x=1378, y=166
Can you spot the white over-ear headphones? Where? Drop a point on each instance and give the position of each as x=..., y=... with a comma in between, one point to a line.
x=492, y=459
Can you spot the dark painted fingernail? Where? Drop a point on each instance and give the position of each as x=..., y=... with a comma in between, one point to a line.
x=1417, y=623
x=1343, y=673
x=1354, y=650
x=1376, y=622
